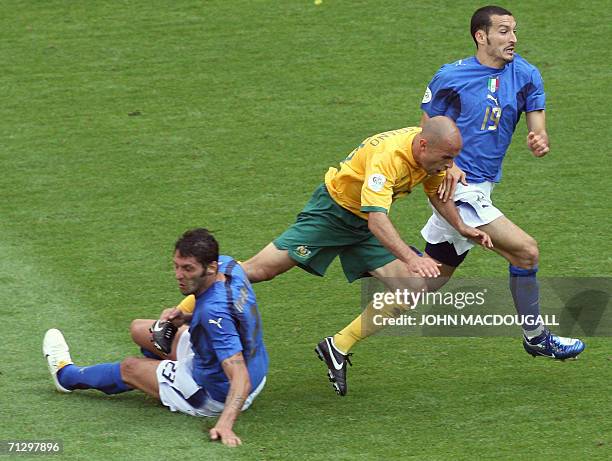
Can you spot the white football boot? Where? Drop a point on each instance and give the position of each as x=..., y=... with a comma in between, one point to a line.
x=57, y=354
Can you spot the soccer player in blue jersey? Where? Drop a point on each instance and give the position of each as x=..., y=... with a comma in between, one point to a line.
x=485, y=95
x=221, y=361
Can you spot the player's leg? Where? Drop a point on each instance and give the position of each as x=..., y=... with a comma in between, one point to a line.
x=267, y=264
x=368, y=257
x=110, y=378
x=394, y=276
x=105, y=377
x=446, y=254
x=321, y=230
x=294, y=246
x=141, y=373
x=141, y=335
x=444, y=243
x=476, y=209
x=521, y=251
x=513, y=243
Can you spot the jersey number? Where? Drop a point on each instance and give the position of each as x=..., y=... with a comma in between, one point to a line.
x=491, y=118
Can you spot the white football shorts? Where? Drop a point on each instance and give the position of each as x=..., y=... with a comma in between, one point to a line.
x=176, y=384
x=476, y=209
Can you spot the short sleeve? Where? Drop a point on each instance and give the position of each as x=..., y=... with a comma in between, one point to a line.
x=377, y=189
x=536, y=98
x=431, y=183
x=440, y=98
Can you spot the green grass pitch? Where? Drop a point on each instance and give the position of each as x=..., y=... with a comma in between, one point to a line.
x=126, y=122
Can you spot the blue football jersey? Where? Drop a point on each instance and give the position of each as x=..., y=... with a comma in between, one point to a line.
x=486, y=104
x=226, y=321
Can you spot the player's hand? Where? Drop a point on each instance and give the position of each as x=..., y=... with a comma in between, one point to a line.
x=453, y=176
x=423, y=267
x=225, y=435
x=172, y=314
x=538, y=144
x=482, y=238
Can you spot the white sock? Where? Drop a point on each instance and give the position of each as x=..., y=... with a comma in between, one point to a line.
x=530, y=334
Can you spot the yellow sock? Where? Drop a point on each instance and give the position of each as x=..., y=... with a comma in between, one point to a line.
x=187, y=305
x=346, y=338
x=363, y=326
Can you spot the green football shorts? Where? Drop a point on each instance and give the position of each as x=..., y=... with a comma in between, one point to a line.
x=324, y=230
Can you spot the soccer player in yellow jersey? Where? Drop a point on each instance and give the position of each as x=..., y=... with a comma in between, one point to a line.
x=348, y=217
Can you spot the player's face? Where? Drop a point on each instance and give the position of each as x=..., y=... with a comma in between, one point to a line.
x=190, y=275
x=437, y=161
x=501, y=39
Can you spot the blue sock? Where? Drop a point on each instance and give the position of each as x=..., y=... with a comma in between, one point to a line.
x=149, y=354
x=105, y=377
x=526, y=294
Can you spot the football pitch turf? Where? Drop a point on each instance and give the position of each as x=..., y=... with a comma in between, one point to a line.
x=125, y=123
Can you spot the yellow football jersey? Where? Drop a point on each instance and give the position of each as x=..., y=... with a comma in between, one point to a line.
x=379, y=171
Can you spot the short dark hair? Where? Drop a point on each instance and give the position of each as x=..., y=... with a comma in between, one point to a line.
x=481, y=19
x=200, y=244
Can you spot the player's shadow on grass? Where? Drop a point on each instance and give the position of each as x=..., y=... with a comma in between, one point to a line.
x=587, y=310
x=584, y=305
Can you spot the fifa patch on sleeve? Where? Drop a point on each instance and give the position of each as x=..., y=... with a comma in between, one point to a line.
x=426, y=96
x=376, y=182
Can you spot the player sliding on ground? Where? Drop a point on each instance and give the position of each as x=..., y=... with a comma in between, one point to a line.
x=216, y=367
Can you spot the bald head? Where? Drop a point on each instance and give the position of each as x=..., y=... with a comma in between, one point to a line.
x=441, y=133
x=435, y=147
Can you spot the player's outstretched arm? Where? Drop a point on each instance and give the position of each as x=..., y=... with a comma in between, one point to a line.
x=449, y=211
x=537, y=139
x=236, y=371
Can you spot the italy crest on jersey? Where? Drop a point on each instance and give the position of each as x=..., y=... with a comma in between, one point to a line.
x=493, y=84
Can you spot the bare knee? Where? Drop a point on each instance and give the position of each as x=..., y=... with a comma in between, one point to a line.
x=528, y=255
x=139, y=330
x=129, y=367
x=134, y=328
